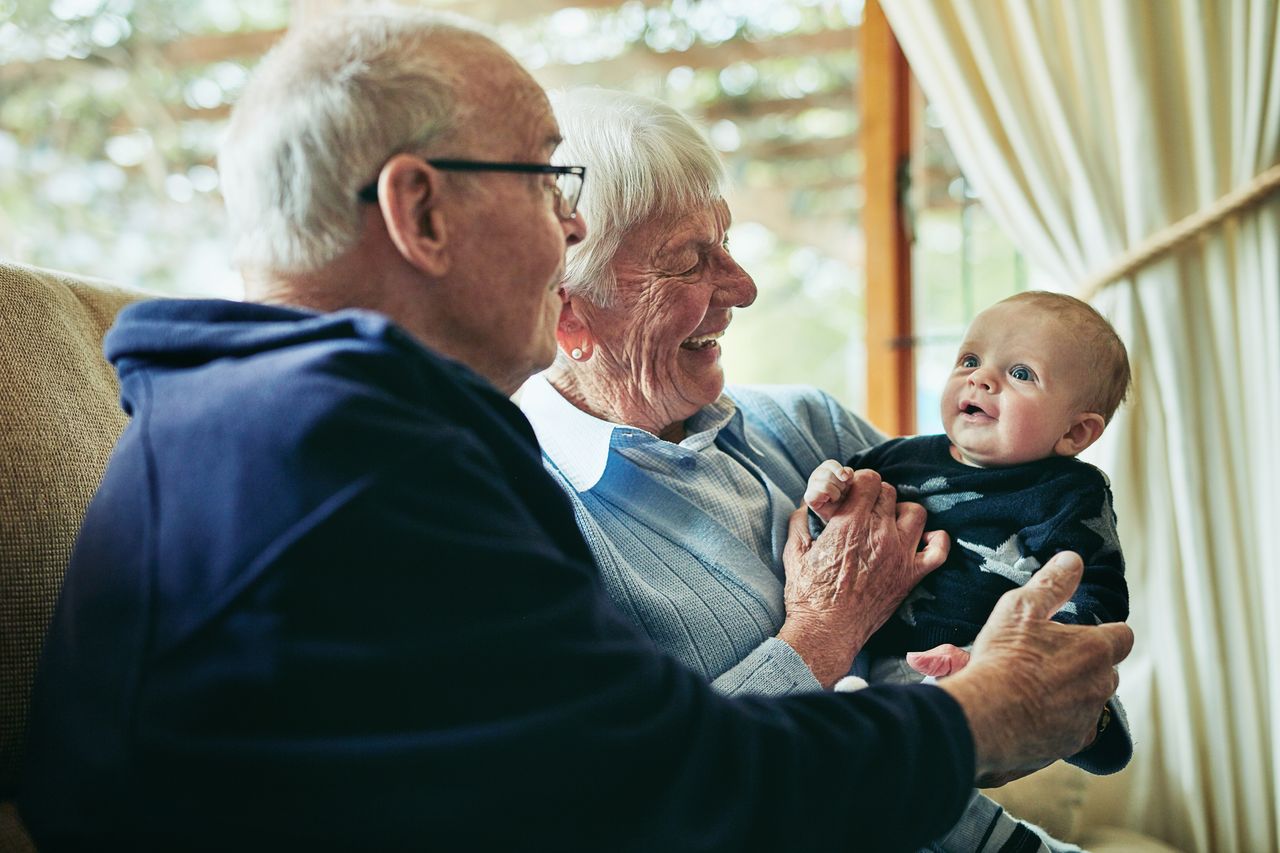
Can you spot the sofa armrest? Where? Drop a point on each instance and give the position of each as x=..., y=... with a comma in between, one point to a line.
x=59, y=421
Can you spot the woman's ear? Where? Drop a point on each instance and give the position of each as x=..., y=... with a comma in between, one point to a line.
x=409, y=193
x=1084, y=431
x=571, y=333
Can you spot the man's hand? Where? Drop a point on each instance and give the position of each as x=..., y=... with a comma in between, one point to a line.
x=1033, y=689
x=843, y=586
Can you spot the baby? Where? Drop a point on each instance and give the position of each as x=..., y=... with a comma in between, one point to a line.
x=1036, y=381
x=1037, y=378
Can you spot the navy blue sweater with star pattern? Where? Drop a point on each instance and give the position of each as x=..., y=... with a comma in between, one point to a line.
x=1005, y=523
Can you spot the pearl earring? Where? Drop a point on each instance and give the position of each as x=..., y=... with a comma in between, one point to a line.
x=576, y=354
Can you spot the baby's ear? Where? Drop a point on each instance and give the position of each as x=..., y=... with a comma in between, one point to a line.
x=1084, y=431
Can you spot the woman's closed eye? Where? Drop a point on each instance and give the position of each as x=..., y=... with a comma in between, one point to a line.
x=679, y=264
x=688, y=265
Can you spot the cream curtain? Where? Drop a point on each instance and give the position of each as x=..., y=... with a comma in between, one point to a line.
x=1087, y=125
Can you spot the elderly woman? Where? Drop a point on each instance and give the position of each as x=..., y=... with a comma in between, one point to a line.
x=683, y=489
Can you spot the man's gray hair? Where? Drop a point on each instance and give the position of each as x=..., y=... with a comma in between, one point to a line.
x=644, y=160
x=325, y=109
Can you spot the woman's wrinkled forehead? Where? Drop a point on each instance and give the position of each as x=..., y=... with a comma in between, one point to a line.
x=705, y=224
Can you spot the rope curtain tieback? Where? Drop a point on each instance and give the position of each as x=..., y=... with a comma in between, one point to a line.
x=1175, y=235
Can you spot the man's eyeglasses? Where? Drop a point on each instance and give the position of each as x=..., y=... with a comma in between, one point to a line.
x=568, y=186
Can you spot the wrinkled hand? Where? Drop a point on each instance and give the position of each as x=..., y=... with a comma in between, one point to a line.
x=1033, y=689
x=844, y=585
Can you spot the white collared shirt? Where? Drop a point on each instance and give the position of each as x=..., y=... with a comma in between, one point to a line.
x=580, y=445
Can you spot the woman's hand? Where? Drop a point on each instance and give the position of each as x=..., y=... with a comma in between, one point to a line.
x=844, y=585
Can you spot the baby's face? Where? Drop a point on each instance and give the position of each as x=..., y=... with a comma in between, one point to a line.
x=1015, y=388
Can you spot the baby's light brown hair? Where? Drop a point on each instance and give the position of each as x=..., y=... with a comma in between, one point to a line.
x=1096, y=336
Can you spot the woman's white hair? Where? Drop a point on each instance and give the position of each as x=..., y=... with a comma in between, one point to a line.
x=644, y=160
x=325, y=109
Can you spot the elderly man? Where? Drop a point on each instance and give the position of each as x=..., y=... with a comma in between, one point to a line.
x=327, y=596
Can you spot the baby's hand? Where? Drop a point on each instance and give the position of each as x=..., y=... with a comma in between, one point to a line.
x=827, y=486
x=939, y=661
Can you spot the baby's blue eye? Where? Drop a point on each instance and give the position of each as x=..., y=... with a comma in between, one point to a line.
x=969, y=361
x=1022, y=373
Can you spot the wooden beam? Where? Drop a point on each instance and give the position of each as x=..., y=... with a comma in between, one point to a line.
x=203, y=49
x=206, y=48
x=185, y=51
x=753, y=108
x=304, y=12
x=886, y=142
x=753, y=149
x=504, y=11
x=771, y=207
x=640, y=59
x=801, y=149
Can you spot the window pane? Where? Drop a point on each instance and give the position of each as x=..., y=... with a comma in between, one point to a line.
x=109, y=119
x=962, y=262
x=110, y=115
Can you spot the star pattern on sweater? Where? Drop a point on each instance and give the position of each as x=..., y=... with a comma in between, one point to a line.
x=1005, y=560
x=932, y=494
x=907, y=610
x=1105, y=529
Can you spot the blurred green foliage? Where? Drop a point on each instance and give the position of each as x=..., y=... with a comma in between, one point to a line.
x=111, y=113
x=107, y=138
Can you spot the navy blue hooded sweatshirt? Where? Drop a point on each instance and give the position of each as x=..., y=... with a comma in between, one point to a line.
x=327, y=596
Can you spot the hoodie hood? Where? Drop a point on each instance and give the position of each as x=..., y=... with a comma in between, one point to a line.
x=159, y=336
x=190, y=332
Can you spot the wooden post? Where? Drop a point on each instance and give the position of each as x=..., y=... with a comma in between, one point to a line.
x=886, y=138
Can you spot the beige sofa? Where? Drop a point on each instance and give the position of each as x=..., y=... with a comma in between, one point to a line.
x=59, y=420
x=1074, y=806
x=58, y=423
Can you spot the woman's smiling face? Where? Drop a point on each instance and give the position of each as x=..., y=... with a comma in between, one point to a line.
x=656, y=349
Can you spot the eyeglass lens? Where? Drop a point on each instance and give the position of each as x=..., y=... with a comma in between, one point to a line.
x=568, y=188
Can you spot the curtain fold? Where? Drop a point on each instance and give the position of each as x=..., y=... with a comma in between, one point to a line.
x=1086, y=126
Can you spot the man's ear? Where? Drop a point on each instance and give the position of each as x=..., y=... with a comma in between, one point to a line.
x=409, y=194
x=1084, y=431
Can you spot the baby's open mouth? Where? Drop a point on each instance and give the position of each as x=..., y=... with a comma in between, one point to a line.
x=702, y=341
x=974, y=410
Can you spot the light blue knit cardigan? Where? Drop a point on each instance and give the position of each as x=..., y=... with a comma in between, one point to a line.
x=701, y=594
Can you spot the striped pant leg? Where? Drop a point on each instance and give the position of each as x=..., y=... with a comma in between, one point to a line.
x=985, y=827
